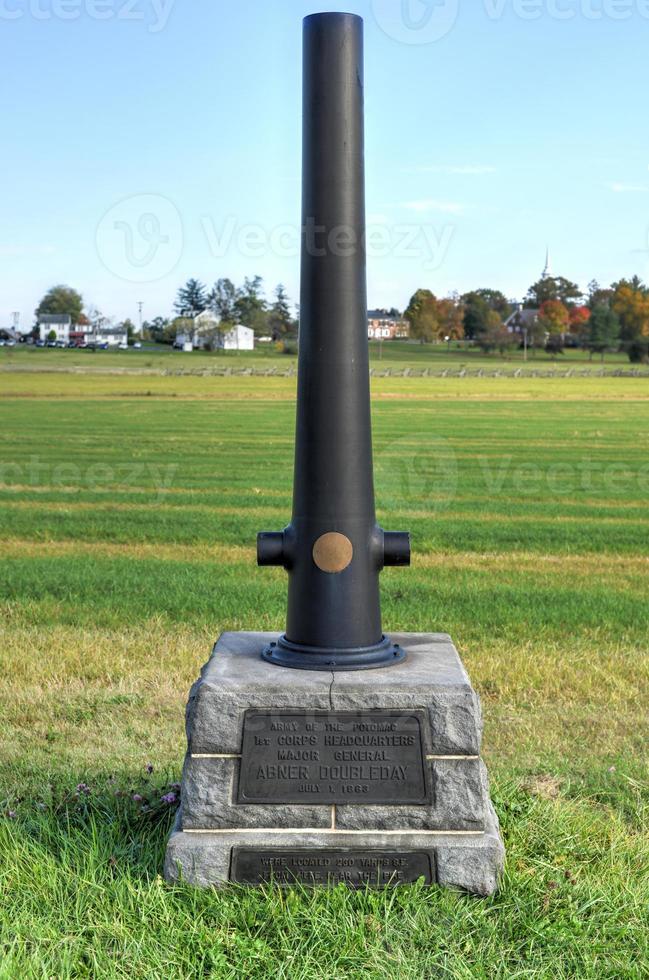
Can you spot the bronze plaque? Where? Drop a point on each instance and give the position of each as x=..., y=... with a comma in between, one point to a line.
x=329, y=866
x=339, y=757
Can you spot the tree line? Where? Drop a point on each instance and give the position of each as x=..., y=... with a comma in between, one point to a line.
x=554, y=314
x=230, y=305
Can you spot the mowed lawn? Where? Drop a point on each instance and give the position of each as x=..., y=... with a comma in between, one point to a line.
x=128, y=514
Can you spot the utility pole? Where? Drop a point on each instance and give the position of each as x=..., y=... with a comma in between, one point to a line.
x=139, y=309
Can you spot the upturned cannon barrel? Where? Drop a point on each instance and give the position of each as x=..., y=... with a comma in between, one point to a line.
x=333, y=549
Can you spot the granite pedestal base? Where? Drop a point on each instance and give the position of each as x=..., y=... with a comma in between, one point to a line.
x=367, y=777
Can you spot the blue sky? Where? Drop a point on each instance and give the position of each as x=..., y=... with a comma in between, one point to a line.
x=146, y=141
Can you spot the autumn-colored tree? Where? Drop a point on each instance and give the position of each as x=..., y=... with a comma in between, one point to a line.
x=496, y=336
x=554, y=317
x=554, y=320
x=631, y=303
x=578, y=317
x=451, y=319
x=433, y=319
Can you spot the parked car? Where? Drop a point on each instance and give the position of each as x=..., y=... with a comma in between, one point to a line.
x=137, y=345
x=51, y=343
x=122, y=346
x=40, y=343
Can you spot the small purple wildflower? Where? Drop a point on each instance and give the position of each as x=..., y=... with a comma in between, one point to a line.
x=149, y=768
x=168, y=798
x=11, y=814
x=137, y=798
x=83, y=788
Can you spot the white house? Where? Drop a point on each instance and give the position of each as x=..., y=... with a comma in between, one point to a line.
x=204, y=332
x=108, y=334
x=59, y=323
x=65, y=330
x=200, y=332
x=239, y=338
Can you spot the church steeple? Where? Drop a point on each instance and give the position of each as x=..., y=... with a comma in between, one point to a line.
x=546, y=272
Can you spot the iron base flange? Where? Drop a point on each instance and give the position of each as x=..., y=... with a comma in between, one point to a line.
x=285, y=653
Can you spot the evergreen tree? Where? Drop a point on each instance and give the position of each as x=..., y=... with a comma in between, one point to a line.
x=191, y=299
x=603, y=329
x=280, y=321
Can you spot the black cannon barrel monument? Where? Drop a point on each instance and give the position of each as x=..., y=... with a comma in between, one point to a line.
x=333, y=549
x=335, y=771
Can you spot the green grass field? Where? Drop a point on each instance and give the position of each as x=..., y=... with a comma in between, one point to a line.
x=395, y=354
x=129, y=506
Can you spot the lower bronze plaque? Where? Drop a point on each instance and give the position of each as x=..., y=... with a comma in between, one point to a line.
x=333, y=757
x=329, y=866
